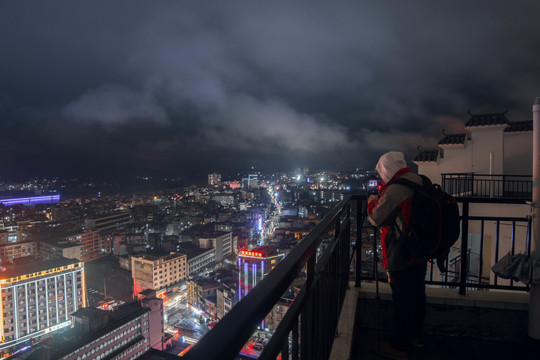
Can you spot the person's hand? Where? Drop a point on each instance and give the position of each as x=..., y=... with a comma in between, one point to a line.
x=372, y=202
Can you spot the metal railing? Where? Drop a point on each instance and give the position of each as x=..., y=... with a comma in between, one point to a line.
x=481, y=243
x=322, y=259
x=482, y=185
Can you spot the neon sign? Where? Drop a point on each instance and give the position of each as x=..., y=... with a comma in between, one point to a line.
x=256, y=254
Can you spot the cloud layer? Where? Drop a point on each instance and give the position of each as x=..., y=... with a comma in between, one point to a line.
x=198, y=86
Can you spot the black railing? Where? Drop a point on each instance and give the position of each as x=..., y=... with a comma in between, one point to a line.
x=322, y=259
x=481, y=185
x=486, y=240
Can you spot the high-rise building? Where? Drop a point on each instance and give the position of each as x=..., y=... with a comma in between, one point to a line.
x=37, y=298
x=253, y=265
x=214, y=179
x=158, y=272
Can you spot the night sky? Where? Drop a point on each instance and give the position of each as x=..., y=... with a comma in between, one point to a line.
x=114, y=88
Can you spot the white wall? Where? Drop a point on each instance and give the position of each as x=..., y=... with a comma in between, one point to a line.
x=485, y=141
x=518, y=153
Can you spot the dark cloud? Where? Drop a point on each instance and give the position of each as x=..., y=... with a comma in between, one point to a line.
x=177, y=87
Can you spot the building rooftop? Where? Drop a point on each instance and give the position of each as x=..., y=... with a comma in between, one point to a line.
x=453, y=139
x=60, y=243
x=487, y=119
x=426, y=156
x=519, y=126
x=35, y=266
x=72, y=339
x=191, y=250
x=164, y=257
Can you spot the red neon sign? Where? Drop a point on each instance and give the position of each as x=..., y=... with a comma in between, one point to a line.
x=251, y=253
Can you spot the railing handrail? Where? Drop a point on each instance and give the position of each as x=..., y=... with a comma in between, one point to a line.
x=478, y=174
x=226, y=339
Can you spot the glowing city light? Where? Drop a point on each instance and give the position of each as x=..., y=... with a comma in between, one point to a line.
x=249, y=253
x=31, y=200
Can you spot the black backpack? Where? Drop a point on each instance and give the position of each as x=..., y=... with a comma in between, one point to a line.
x=435, y=223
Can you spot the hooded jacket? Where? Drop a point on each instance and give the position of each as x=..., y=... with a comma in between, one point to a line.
x=392, y=211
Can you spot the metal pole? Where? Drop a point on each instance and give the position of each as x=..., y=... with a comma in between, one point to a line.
x=464, y=248
x=534, y=298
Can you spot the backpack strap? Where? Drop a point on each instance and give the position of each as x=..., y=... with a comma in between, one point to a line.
x=412, y=184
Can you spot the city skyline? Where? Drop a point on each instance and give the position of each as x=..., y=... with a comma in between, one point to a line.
x=166, y=88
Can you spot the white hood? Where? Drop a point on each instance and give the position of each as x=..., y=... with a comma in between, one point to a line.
x=389, y=164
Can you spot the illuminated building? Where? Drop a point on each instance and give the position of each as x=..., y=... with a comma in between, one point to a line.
x=157, y=272
x=37, y=298
x=253, y=265
x=214, y=179
x=31, y=200
x=250, y=182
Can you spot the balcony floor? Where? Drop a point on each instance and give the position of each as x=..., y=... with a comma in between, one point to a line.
x=480, y=325
x=443, y=348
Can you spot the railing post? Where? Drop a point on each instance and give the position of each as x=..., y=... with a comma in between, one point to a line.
x=464, y=247
x=358, y=243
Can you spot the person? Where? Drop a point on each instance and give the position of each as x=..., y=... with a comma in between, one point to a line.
x=392, y=213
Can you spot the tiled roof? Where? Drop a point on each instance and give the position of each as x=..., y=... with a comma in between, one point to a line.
x=453, y=139
x=426, y=155
x=487, y=119
x=518, y=126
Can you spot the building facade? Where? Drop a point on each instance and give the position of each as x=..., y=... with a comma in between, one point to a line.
x=225, y=300
x=38, y=298
x=54, y=249
x=253, y=265
x=114, y=221
x=123, y=334
x=94, y=245
x=152, y=272
x=10, y=251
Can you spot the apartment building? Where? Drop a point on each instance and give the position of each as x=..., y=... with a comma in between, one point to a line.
x=199, y=289
x=221, y=241
x=123, y=334
x=112, y=221
x=37, y=298
x=158, y=272
x=93, y=244
x=54, y=249
x=198, y=259
x=10, y=251
x=225, y=299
